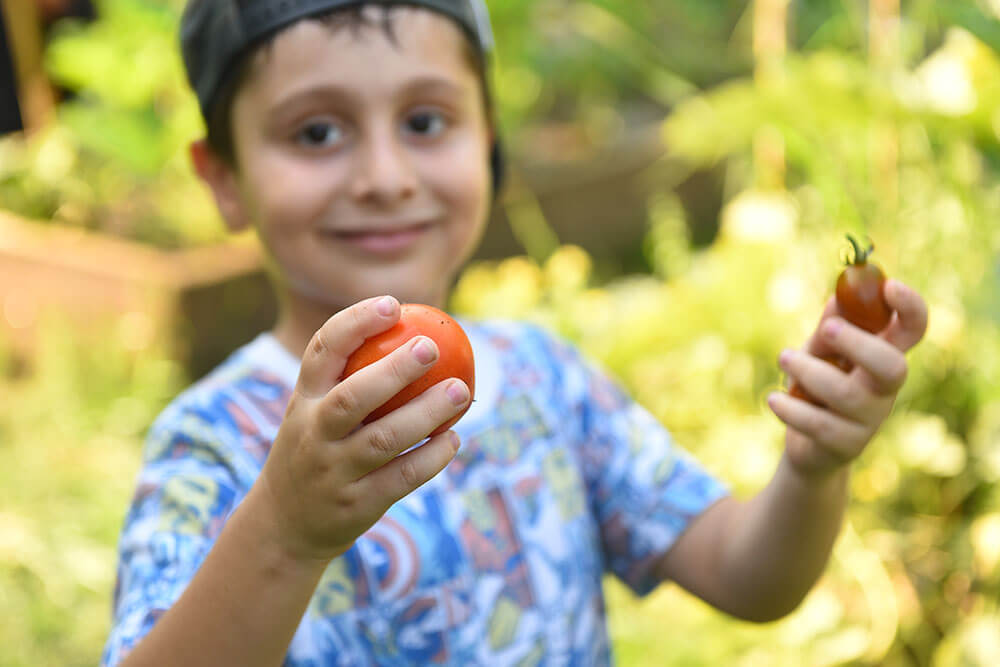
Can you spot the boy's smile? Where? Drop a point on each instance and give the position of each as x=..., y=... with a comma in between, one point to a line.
x=380, y=238
x=363, y=162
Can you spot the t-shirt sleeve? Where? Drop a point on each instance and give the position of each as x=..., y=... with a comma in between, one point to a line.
x=643, y=489
x=185, y=492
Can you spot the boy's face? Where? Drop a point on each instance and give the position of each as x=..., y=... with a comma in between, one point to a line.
x=362, y=163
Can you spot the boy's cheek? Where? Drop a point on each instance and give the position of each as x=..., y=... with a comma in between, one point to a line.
x=287, y=189
x=465, y=173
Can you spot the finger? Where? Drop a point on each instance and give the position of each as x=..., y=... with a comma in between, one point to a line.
x=324, y=358
x=816, y=345
x=909, y=323
x=837, y=437
x=824, y=382
x=883, y=364
x=367, y=389
x=381, y=441
x=406, y=473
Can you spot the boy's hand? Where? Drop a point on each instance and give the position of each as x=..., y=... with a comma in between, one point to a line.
x=821, y=440
x=326, y=481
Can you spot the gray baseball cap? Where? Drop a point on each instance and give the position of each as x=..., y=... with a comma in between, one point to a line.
x=215, y=34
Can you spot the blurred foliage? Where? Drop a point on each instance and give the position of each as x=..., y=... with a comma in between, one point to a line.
x=116, y=157
x=70, y=439
x=817, y=145
x=601, y=65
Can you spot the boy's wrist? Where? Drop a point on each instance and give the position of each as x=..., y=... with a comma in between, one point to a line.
x=268, y=532
x=810, y=477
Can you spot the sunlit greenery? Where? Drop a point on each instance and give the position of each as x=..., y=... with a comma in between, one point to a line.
x=817, y=145
x=70, y=437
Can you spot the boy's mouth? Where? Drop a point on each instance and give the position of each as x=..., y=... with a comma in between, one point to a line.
x=381, y=241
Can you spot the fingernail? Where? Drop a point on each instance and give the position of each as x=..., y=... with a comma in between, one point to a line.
x=772, y=399
x=386, y=306
x=458, y=392
x=424, y=351
x=832, y=328
x=784, y=358
x=456, y=442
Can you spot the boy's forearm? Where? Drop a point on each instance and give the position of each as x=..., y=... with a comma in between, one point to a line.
x=241, y=608
x=780, y=541
x=757, y=559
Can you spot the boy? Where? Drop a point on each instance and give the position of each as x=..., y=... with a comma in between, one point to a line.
x=268, y=525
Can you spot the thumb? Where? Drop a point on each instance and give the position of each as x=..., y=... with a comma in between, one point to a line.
x=909, y=322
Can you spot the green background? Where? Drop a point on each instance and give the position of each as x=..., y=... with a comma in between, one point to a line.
x=904, y=150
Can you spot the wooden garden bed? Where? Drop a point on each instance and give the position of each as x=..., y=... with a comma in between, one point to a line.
x=95, y=280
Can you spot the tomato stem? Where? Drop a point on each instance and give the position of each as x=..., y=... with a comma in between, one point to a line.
x=860, y=255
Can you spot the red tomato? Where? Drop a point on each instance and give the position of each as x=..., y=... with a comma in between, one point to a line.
x=860, y=292
x=454, y=356
x=861, y=301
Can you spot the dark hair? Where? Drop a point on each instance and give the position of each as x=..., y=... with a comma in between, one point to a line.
x=219, y=121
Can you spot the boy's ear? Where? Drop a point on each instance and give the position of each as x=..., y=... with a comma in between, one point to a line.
x=220, y=177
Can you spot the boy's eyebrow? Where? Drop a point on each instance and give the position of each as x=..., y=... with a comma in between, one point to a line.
x=283, y=103
x=435, y=84
x=430, y=84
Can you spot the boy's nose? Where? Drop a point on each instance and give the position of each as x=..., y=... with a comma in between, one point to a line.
x=385, y=172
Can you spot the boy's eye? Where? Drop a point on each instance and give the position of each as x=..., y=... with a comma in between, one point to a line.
x=427, y=123
x=319, y=134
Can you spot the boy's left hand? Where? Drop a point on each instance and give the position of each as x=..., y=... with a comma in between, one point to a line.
x=821, y=440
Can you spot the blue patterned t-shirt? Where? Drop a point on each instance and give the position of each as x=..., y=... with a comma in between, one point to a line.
x=498, y=560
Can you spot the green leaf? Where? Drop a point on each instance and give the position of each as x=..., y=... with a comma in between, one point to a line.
x=136, y=139
x=967, y=15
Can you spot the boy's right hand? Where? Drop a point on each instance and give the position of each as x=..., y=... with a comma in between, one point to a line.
x=326, y=481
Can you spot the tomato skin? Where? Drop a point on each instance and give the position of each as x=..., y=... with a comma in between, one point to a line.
x=860, y=297
x=455, y=358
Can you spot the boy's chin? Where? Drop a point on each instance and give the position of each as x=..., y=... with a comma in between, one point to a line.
x=410, y=295
x=403, y=294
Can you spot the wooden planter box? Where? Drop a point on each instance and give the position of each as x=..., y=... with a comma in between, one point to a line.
x=201, y=302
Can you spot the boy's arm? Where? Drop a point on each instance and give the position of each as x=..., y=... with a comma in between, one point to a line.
x=758, y=559
x=325, y=482
x=243, y=605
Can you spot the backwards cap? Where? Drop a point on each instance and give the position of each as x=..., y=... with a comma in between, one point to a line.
x=215, y=34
